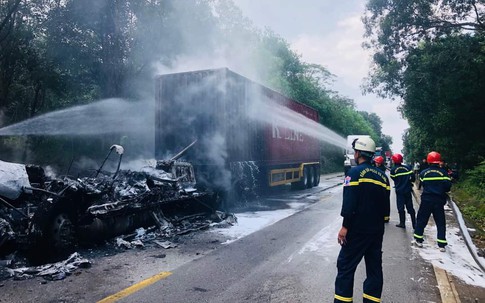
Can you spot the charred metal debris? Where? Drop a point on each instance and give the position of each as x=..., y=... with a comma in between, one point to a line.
x=45, y=216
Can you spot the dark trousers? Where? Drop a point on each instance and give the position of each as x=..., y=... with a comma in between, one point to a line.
x=368, y=246
x=426, y=209
x=405, y=200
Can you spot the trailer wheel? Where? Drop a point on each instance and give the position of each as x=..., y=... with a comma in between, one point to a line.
x=62, y=232
x=57, y=238
x=316, y=175
x=311, y=177
x=303, y=183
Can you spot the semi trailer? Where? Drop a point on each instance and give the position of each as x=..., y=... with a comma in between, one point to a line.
x=249, y=137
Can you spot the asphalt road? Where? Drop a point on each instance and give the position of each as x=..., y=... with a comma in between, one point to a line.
x=292, y=260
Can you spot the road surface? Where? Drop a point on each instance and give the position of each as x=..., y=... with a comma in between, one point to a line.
x=283, y=250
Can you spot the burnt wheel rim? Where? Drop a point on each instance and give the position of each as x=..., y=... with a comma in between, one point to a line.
x=62, y=231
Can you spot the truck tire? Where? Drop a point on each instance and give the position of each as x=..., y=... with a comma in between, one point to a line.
x=303, y=183
x=311, y=176
x=316, y=175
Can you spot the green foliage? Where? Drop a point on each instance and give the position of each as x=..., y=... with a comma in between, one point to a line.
x=395, y=27
x=469, y=193
x=331, y=158
x=430, y=54
x=444, y=96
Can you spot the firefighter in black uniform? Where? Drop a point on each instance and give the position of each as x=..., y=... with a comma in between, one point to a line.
x=436, y=183
x=379, y=163
x=365, y=209
x=403, y=178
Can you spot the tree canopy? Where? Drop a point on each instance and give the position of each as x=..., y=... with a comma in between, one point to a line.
x=430, y=56
x=395, y=27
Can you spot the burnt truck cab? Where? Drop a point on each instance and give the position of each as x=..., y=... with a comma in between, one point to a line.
x=18, y=183
x=53, y=215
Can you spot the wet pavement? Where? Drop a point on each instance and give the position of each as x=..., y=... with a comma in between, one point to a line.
x=115, y=267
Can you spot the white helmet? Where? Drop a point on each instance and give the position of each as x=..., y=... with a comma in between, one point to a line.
x=366, y=145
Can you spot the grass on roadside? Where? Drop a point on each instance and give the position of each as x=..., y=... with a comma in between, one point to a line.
x=469, y=194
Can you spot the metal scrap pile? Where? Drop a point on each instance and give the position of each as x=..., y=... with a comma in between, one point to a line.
x=54, y=271
x=55, y=215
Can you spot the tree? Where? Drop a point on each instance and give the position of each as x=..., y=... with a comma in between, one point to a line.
x=430, y=55
x=395, y=27
x=444, y=97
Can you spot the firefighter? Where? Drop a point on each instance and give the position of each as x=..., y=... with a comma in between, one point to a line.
x=379, y=162
x=416, y=169
x=436, y=183
x=424, y=165
x=403, y=178
x=365, y=209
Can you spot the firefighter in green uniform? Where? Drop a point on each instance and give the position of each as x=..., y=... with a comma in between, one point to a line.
x=365, y=209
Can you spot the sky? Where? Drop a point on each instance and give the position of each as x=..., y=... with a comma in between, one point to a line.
x=329, y=33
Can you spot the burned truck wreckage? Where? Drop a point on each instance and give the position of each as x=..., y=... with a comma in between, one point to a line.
x=43, y=214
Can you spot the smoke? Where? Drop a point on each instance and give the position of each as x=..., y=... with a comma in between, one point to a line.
x=216, y=149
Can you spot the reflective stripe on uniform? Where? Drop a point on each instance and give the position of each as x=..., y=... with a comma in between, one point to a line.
x=418, y=236
x=353, y=183
x=402, y=174
x=343, y=299
x=367, y=180
x=386, y=218
x=366, y=296
x=436, y=179
x=442, y=241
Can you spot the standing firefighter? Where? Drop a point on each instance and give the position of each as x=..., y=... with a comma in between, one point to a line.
x=403, y=177
x=379, y=161
x=365, y=209
x=436, y=183
x=424, y=165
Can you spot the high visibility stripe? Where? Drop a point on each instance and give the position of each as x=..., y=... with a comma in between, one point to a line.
x=372, y=298
x=343, y=299
x=386, y=218
x=354, y=183
x=418, y=236
x=436, y=179
x=367, y=180
x=402, y=174
x=442, y=241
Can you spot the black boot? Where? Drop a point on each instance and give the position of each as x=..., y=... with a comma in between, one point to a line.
x=413, y=220
x=402, y=218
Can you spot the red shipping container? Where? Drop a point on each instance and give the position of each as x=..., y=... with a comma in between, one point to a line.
x=235, y=120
